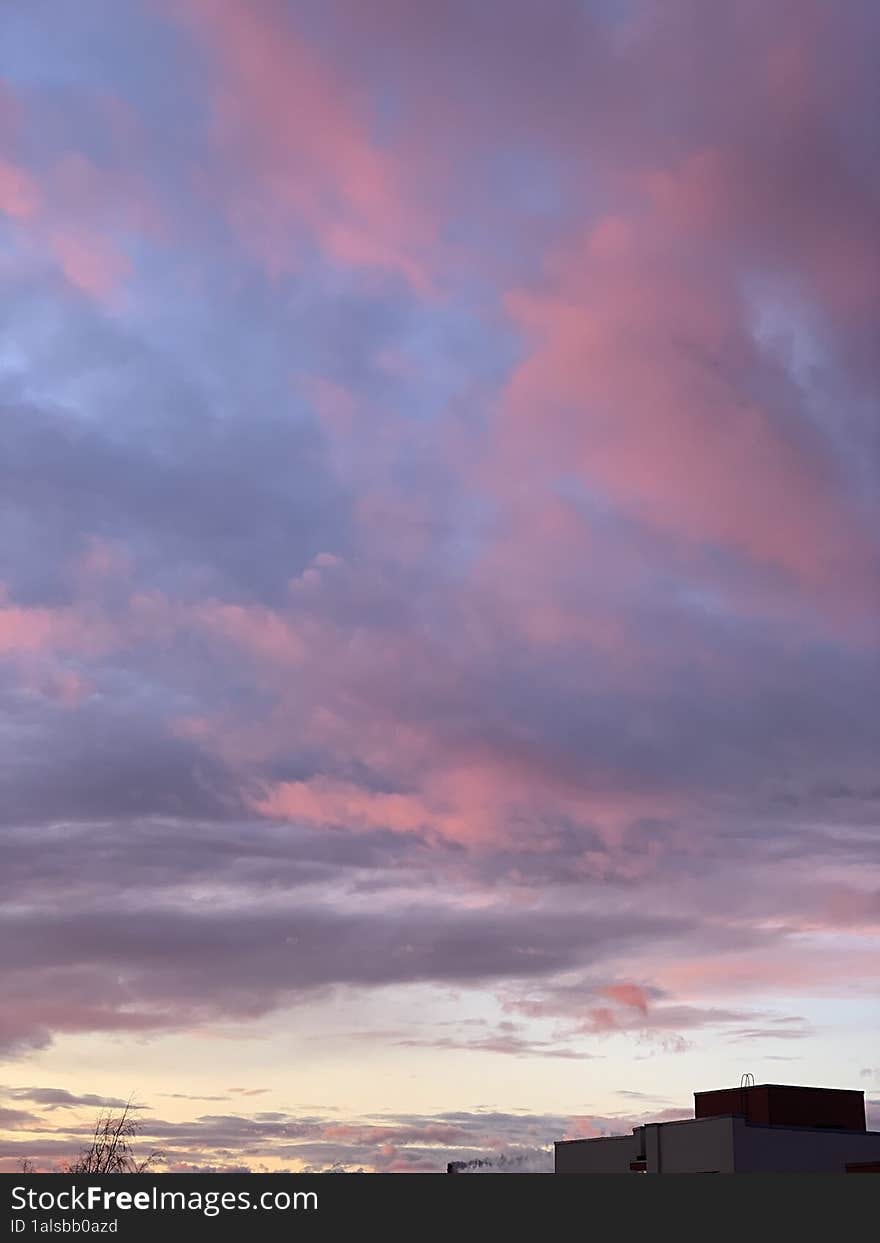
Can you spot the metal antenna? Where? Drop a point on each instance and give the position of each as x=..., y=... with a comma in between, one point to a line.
x=747, y=1080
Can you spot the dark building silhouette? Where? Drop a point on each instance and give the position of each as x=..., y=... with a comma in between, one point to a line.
x=778, y=1104
x=759, y=1128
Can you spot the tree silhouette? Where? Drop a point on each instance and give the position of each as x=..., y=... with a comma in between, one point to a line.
x=110, y=1150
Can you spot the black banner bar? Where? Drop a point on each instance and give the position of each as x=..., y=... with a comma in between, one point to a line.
x=279, y=1206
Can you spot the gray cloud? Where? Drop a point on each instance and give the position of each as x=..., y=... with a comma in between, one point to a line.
x=151, y=969
x=390, y=1142
x=54, y=1098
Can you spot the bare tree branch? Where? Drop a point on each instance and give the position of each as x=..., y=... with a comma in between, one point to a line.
x=110, y=1151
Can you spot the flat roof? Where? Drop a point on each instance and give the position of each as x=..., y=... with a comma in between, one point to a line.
x=790, y=1087
x=766, y=1126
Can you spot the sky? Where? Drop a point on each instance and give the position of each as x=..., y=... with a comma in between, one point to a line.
x=439, y=570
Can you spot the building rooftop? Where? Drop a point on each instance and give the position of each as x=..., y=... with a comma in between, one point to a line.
x=782, y=1104
x=757, y=1128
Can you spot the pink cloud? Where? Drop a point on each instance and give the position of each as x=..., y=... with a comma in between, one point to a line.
x=19, y=196
x=624, y=384
x=259, y=631
x=65, y=686
x=324, y=802
x=81, y=214
x=629, y=995
x=480, y=804
x=103, y=559
x=808, y=967
x=90, y=264
x=26, y=631
x=298, y=132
